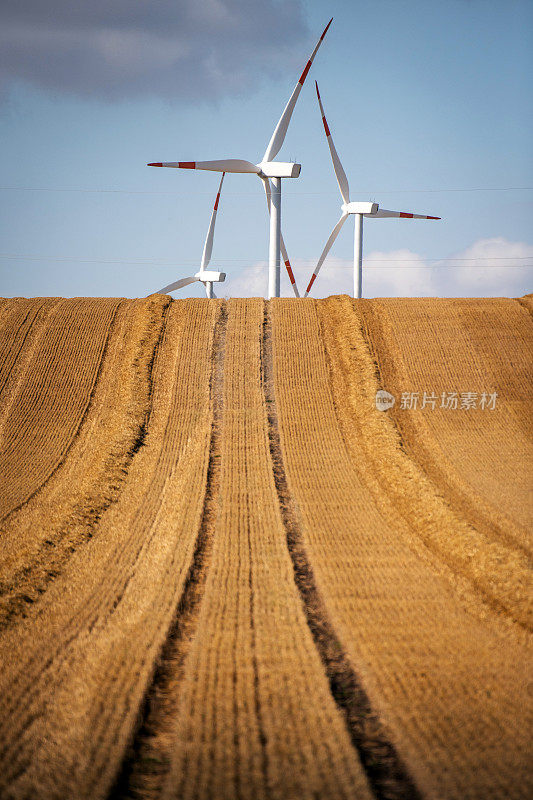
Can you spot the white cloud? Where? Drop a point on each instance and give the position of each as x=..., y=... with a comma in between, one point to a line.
x=250, y=282
x=487, y=268
x=385, y=274
x=492, y=267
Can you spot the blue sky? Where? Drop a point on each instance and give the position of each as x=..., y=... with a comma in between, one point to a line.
x=421, y=98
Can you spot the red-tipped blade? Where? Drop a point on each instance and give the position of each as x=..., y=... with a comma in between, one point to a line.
x=221, y=165
x=384, y=213
x=326, y=29
x=274, y=146
x=307, y=67
x=333, y=235
x=208, y=246
x=340, y=174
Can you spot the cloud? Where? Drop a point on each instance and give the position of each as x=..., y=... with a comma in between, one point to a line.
x=114, y=49
x=494, y=267
x=385, y=274
x=488, y=268
x=250, y=282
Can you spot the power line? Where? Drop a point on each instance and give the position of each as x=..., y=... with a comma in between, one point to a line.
x=242, y=194
x=434, y=263
x=164, y=261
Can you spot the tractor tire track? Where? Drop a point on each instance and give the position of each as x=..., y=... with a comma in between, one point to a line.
x=146, y=763
x=254, y=719
x=386, y=774
x=451, y=691
x=257, y=616
x=98, y=643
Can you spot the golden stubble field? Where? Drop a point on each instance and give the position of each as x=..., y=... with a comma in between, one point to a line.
x=225, y=574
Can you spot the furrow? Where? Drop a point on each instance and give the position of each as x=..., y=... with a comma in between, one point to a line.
x=385, y=771
x=499, y=574
x=254, y=717
x=40, y=539
x=60, y=380
x=71, y=700
x=15, y=326
x=16, y=355
x=491, y=341
x=148, y=757
x=450, y=687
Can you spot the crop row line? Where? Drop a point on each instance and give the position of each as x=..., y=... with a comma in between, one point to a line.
x=385, y=771
x=22, y=585
x=146, y=765
x=144, y=768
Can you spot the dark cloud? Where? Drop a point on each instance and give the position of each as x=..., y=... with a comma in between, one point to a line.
x=173, y=48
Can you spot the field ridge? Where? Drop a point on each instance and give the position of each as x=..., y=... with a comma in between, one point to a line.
x=80, y=512
x=387, y=775
x=422, y=448
x=26, y=316
x=502, y=575
x=58, y=362
x=146, y=761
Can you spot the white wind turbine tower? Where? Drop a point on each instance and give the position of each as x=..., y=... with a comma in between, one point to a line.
x=358, y=209
x=266, y=169
x=207, y=277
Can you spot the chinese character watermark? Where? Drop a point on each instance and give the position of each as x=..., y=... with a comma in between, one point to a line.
x=409, y=400
x=449, y=401
x=488, y=401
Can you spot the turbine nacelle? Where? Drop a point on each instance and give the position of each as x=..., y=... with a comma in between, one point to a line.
x=280, y=169
x=360, y=208
x=211, y=276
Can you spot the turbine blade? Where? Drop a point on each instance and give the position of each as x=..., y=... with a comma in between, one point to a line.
x=288, y=267
x=280, y=131
x=383, y=213
x=222, y=165
x=342, y=180
x=333, y=235
x=208, y=246
x=286, y=261
x=176, y=285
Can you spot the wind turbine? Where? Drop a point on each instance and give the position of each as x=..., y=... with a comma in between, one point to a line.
x=266, y=169
x=207, y=277
x=358, y=209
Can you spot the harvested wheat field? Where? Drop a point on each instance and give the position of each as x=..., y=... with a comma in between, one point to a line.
x=224, y=573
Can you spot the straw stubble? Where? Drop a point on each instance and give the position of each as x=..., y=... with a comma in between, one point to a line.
x=225, y=574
